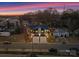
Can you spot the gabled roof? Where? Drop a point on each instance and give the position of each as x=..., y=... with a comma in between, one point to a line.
x=61, y=30
x=39, y=26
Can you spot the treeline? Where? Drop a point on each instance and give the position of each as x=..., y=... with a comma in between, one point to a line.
x=67, y=19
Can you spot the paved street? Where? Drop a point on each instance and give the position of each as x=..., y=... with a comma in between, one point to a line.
x=23, y=55
x=19, y=44
x=12, y=55
x=37, y=46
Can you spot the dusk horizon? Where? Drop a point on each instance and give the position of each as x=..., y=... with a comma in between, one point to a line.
x=20, y=8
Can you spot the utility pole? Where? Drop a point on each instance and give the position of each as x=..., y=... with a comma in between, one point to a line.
x=64, y=7
x=39, y=33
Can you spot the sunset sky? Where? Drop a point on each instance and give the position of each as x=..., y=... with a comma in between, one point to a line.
x=19, y=8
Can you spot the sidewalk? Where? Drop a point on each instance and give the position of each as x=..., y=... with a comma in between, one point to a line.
x=24, y=50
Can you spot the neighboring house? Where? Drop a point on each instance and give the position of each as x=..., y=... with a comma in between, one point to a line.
x=60, y=33
x=9, y=25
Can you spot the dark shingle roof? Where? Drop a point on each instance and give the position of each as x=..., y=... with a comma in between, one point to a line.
x=39, y=26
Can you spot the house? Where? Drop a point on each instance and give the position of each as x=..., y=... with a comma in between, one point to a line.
x=36, y=28
x=9, y=25
x=59, y=32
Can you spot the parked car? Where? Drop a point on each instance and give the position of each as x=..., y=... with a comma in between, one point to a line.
x=64, y=52
x=33, y=55
x=53, y=51
x=74, y=51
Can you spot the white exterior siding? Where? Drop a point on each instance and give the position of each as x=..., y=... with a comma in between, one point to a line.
x=56, y=34
x=4, y=33
x=59, y=33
